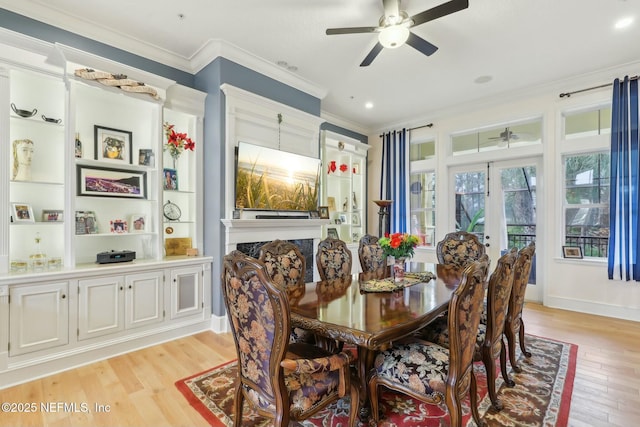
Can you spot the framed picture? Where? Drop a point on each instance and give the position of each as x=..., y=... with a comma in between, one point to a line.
x=332, y=233
x=51, y=215
x=138, y=223
x=331, y=201
x=324, y=212
x=146, y=157
x=314, y=214
x=86, y=222
x=337, y=221
x=111, y=182
x=170, y=179
x=113, y=145
x=118, y=226
x=572, y=251
x=22, y=212
x=355, y=219
x=343, y=219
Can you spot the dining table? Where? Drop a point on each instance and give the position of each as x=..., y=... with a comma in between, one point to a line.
x=370, y=311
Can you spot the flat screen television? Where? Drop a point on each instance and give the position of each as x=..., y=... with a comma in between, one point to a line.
x=270, y=179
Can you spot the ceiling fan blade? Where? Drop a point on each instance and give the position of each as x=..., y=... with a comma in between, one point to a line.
x=352, y=30
x=372, y=55
x=439, y=11
x=421, y=44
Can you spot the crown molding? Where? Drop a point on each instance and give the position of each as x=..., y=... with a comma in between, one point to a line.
x=339, y=121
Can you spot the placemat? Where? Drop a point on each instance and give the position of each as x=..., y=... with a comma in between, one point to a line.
x=389, y=285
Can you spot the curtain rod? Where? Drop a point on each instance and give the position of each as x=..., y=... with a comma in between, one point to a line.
x=568, y=94
x=428, y=125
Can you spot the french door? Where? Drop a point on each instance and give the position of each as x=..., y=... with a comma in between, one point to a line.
x=497, y=201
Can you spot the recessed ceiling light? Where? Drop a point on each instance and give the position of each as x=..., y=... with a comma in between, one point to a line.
x=483, y=79
x=623, y=23
x=368, y=105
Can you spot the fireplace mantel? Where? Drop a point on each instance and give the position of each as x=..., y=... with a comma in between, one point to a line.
x=254, y=230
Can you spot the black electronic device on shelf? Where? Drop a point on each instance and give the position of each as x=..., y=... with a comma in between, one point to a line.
x=115, y=256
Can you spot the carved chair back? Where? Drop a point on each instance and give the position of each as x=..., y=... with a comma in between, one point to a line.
x=459, y=248
x=370, y=253
x=333, y=259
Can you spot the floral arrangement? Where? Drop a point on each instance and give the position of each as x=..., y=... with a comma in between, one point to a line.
x=177, y=142
x=398, y=245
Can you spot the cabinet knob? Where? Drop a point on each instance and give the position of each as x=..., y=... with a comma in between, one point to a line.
x=63, y=296
x=121, y=288
x=130, y=286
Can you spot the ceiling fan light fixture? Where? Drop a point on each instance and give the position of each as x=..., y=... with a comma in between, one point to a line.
x=393, y=36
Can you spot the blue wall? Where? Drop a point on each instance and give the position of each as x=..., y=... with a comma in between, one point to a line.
x=208, y=80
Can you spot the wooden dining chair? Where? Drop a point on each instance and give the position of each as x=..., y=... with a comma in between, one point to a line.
x=333, y=259
x=489, y=342
x=370, y=254
x=286, y=267
x=281, y=381
x=432, y=373
x=514, y=325
x=459, y=248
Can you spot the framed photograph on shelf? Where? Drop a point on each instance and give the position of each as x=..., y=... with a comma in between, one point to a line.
x=170, y=179
x=52, y=215
x=118, y=226
x=332, y=233
x=138, y=223
x=146, y=157
x=323, y=212
x=355, y=219
x=22, y=212
x=343, y=219
x=86, y=222
x=572, y=252
x=314, y=214
x=331, y=201
x=113, y=145
x=111, y=182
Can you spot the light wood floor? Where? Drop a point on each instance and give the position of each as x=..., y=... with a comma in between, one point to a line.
x=139, y=387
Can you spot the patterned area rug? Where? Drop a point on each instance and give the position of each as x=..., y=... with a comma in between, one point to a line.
x=541, y=396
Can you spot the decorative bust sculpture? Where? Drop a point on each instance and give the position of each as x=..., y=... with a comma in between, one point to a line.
x=22, y=154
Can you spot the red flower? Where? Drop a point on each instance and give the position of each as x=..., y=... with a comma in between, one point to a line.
x=343, y=167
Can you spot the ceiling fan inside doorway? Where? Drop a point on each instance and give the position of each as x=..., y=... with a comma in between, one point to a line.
x=393, y=27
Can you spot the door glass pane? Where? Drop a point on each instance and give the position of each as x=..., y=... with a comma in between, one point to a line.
x=186, y=292
x=469, y=203
x=423, y=203
x=519, y=205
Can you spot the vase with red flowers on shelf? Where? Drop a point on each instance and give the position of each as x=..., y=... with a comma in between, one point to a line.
x=177, y=142
x=332, y=167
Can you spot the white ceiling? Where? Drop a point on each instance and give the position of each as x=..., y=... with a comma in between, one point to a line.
x=519, y=43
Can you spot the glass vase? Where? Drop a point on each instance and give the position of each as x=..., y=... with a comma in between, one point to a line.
x=399, y=269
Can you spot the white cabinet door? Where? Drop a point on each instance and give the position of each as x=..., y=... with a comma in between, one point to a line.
x=186, y=291
x=144, y=300
x=100, y=306
x=38, y=317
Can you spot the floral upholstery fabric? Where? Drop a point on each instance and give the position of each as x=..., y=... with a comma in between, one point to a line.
x=422, y=367
x=459, y=248
x=258, y=311
x=431, y=371
x=370, y=253
x=333, y=259
x=286, y=267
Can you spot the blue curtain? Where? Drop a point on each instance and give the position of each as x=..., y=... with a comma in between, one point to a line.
x=624, y=250
x=395, y=170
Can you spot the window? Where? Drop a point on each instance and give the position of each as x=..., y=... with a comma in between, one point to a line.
x=422, y=193
x=422, y=150
x=498, y=138
x=586, y=202
x=587, y=123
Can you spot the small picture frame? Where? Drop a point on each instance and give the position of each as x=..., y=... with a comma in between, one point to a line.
x=332, y=233
x=146, y=157
x=112, y=145
x=169, y=179
x=22, y=212
x=337, y=221
x=572, y=252
x=86, y=222
x=343, y=219
x=111, y=182
x=314, y=214
x=118, y=226
x=331, y=202
x=355, y=219
x=138, y=223
x=323, y=212
x=356, y=168
x=52, y=215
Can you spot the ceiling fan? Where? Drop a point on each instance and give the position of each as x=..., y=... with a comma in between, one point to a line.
x=393, y=28
x=505, y=136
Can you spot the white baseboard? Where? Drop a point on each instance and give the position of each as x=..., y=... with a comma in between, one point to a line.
x=589, y=307
x=219, y=324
